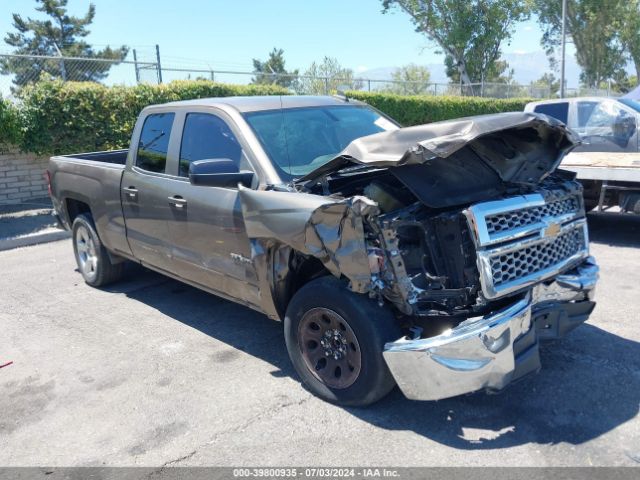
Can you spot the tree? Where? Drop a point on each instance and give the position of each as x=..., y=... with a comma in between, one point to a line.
x=469, y=32
x=594, y=26
x=60, y=35
x=326, y=77
x=500, y=82
x=626, y=84
x=494, y=73
x=272, y=70
x=410, y=79
x=547, y=81
x=630, y=33
x=499, y=72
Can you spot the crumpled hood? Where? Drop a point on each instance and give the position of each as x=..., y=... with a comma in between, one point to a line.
x=520, y=147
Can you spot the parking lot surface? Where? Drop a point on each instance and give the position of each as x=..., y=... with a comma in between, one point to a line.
x=153, y=372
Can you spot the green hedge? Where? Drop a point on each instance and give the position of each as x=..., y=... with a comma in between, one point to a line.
x=58, y=117
x=417, y=110
x=10, y=132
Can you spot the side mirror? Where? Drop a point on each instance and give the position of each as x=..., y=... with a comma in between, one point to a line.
x=624, y=128
x=218, y=172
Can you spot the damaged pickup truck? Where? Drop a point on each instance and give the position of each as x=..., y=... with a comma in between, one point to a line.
x=433, y=257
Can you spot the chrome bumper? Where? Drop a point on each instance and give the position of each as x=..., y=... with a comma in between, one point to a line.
x=481, y=353
x=577, y=284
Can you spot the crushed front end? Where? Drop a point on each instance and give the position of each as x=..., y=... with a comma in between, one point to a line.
x=522, y=273
x=480, y=245
x=464, y=228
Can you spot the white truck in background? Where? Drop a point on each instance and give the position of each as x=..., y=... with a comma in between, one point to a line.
x=607, y=163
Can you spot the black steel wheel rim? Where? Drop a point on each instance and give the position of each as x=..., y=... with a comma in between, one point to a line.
x=329, y=348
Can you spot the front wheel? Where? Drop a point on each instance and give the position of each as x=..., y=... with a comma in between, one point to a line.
x=335, y=340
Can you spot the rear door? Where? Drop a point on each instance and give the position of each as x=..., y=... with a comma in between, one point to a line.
x=209, y=244
x=144, y=188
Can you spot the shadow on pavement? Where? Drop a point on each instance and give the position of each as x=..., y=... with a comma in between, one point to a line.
x=620, y=230
x=582, y=392
x=589, y=383
x=238, y=326
x=25, y=223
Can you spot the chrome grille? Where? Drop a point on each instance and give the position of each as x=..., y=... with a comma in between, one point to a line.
x=508, y=267
x=523, y=240
x=528, y=216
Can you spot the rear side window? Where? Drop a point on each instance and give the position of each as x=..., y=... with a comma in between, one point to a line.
x=154, y=142
x=206, y=137
x=555, y=110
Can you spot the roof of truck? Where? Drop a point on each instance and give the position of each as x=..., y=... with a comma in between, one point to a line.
x=264, y=102
x=569, y=100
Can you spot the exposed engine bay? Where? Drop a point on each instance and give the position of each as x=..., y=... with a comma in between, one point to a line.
x=437, y=280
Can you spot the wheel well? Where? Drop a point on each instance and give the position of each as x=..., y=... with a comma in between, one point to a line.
x=301, y=270
x=75, y=208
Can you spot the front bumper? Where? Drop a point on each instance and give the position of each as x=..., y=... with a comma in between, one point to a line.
x=492, y=351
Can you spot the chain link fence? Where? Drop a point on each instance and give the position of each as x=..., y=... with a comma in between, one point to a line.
x=19, y=70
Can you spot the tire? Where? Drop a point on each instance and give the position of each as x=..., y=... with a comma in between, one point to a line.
x=92, y=258
x=358, y=329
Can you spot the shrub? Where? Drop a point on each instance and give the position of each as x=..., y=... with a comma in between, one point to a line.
x=10, y=132
x=65, y=117
x=55, y=117
x=417, y=110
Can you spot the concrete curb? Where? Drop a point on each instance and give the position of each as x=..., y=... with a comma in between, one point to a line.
x=44, y=237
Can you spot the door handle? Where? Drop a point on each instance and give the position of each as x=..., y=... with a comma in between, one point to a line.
x=132, y=192
x=177, y=201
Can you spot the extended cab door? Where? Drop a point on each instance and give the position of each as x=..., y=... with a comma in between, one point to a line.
x=144, y=188
x=557, y=110
x=209, y=244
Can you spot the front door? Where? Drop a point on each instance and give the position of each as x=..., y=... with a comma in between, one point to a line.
x=209, y=244
x=144, y=195
x=605, y=126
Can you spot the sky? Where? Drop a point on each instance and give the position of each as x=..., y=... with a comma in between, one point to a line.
x=226, y=35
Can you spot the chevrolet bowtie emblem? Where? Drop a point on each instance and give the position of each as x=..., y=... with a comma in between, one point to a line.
x=551, y=230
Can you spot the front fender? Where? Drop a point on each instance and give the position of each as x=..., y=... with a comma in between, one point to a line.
x=329, y=229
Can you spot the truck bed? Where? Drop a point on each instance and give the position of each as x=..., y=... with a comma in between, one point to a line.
x=91, y=181
x=109, y=156
x=623, y=167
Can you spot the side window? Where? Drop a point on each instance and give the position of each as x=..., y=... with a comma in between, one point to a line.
x=556, y=110
x=605, y=115
x=154, y=142
x=584, y=110
x=610, y=127
x=206, y=136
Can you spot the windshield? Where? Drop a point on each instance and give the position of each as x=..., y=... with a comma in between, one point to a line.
x=630, y=103
x=299, y=140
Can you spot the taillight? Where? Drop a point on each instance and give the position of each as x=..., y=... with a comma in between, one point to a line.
x=48, y=177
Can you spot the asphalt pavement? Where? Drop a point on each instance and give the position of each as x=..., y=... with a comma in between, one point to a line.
x=28, y=223
x=152, y=372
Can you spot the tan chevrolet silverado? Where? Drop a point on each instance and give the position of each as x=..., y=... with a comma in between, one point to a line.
x=433, y=257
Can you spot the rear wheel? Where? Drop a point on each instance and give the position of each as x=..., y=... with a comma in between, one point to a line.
x=335, y=340
x=92, y=258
